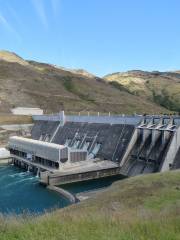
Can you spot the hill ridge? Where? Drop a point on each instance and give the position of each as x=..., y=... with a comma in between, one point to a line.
x=162, y=88
x=52, y=88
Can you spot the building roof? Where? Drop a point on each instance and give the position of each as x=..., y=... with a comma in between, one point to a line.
x=42, y=143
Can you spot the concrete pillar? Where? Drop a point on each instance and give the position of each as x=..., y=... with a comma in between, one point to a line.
x=155, y=135
x=63, y=117
x=165, y=135
x=146, y=133
x=38, y=172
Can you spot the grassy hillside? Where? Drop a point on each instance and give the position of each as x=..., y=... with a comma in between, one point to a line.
x=160, y=88
x=33, y=84
x=143, y=208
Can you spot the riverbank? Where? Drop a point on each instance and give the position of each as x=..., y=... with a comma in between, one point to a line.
x=143, y=207
x=82, y=196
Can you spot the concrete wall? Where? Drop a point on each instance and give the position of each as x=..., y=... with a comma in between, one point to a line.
x=53, y=118
x=130, y=146
x=91, y=119
x=172, y=151
x=58, y=179
x=105, y=119
x=63, y=193
x=112, y=119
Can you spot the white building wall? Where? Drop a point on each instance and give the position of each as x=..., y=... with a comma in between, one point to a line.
x=27, y=111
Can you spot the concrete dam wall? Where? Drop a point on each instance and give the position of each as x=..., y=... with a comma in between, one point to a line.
x=128, y=145
x=111, y=140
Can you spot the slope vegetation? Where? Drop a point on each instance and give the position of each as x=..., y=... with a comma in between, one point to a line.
x=34, y=84
x=144, y=207
x=162, y=88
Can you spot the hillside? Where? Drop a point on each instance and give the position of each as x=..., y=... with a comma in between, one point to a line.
x=33, y=84
x=162, y=88
x=143, y=207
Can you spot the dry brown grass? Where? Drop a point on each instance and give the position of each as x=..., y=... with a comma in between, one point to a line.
x=54, y=89
x=161, y=89
x=14, y=119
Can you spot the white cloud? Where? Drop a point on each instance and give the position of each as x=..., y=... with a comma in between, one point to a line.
x=4, y=22
x=39, y=7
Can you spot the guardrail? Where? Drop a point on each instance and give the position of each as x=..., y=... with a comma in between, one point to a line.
x=111, y=119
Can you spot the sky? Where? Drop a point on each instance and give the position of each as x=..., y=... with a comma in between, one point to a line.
x=101, y=36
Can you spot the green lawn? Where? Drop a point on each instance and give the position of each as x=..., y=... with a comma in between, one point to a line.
x=142, y=208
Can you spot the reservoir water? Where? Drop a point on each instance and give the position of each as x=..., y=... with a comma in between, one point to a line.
x=20, y=192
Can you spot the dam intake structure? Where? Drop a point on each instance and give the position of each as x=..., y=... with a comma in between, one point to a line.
x=66, y=149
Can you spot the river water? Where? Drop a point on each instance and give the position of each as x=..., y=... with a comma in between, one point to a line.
x=20, y=192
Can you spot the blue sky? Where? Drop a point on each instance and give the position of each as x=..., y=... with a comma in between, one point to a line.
x=101, y=36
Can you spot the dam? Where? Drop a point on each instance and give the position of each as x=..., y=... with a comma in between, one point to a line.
x=67, y=149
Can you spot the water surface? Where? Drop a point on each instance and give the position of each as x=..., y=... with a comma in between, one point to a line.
x=20, y=192
x=91, y=185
